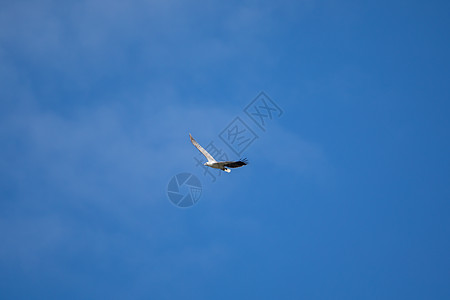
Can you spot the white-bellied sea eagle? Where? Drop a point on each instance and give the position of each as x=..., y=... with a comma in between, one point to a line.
x=222, y=165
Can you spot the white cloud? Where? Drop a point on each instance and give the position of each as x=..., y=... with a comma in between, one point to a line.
x=109, y=151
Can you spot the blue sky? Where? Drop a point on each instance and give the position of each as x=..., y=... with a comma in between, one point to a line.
x=347, y=194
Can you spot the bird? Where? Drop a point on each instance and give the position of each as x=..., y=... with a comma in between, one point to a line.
x=222, y=165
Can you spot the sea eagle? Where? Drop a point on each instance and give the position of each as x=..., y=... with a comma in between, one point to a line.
x=218, y=164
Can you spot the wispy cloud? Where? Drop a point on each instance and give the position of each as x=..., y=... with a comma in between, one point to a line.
x=99, y=98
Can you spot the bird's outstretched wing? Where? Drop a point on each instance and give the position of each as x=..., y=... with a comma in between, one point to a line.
x=235, y=164
x=203, y=151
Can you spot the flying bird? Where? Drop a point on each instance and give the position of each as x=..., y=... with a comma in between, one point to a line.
x=222, y=165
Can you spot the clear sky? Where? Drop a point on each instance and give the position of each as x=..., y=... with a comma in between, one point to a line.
x=347, y=192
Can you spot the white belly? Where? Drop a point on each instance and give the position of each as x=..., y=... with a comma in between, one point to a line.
x=216, y=165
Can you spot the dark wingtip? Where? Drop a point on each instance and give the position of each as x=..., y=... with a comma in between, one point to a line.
x=244, y=160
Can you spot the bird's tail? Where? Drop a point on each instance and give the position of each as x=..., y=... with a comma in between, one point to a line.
x=227, y=170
